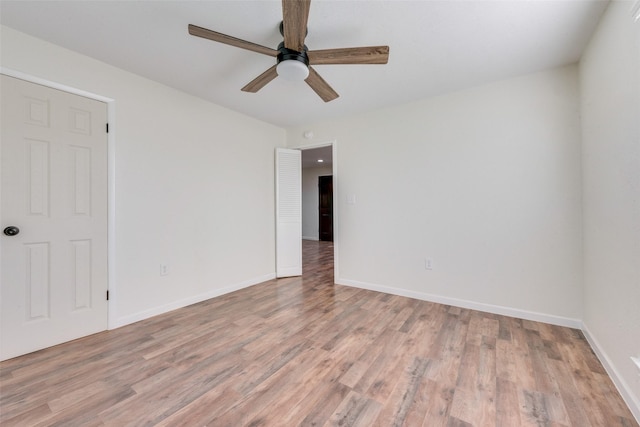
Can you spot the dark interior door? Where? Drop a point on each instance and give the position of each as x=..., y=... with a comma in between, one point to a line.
x=325, y=191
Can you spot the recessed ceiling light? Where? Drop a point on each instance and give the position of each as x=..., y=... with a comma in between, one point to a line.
x=320, y=160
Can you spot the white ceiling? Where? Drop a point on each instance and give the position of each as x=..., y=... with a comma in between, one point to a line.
x=435, y=46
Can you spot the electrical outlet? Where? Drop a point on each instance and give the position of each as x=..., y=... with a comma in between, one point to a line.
x=164, y=269
x=428, y=264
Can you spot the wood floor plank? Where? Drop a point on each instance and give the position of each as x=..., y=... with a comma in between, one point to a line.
x=266, y=394
x=474, y=397
x=439, y=405
x=85, y=411
x=383, y=358
x=305, y=351
x=354, y=410
x=407, y=404
x=317, y=406
x=507, y=406
x=28, y=417
x=311, y=375
x=202, y=410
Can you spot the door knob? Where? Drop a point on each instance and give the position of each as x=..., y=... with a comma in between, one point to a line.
x=12, y=230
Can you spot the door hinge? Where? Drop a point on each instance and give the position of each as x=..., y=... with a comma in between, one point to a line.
x=107, y=295
x=107, y=126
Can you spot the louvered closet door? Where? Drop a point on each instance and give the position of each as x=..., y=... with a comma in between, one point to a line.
x=288, y=213
x=54, y=190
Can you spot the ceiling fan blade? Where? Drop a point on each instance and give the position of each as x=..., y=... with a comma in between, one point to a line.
x=295, y=14
x=194, y=30
x=321, y=87
x=350, y=55
x=261, y=81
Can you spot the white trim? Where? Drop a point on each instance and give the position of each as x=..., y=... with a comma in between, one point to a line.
x=310, y=238
x=111, y=216
x=623, y=388
x=336, y=203
x=54, y=85
x=488, y=308
x=314, y=145
x=336, y=223
x=174, y=305
x=111, y=176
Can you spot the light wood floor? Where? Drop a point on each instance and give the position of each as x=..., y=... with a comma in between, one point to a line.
x=303, y=351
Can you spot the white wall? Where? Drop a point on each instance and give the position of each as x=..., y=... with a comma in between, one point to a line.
x=193, y=181
x=485, y=181
x=310, y=218
x=610, y=87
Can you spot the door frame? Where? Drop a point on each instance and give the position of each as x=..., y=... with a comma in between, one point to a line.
x=334, y=172
x=111, y=182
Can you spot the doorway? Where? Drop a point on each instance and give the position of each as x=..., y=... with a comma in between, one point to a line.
x=316, y=163
x=325, y=208
x=319, y=207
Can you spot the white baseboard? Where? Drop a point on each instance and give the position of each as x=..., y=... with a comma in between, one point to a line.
x=310, y=238
x=136, y=317
x=623, y=388
x=489, y=308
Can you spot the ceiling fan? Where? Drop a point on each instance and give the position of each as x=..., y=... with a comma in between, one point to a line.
x=293, y=59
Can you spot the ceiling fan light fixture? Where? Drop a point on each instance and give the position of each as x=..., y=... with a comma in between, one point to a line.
x=292, y=69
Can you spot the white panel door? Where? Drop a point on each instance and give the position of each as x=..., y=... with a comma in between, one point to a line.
x=288, y=212
x=54, y=190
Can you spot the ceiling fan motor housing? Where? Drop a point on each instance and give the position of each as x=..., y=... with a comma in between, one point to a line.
x=288, y=54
